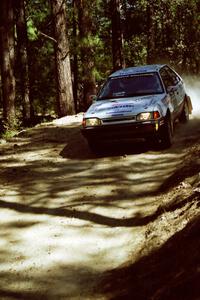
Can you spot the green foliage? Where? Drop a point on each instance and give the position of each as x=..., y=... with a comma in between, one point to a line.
x=42, y=75
x=41, y=52
x=6, y=131
x=32, y=30
x=8, y=134
x=135, y=51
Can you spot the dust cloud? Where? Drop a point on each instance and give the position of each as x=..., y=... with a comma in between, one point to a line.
x=193, y=90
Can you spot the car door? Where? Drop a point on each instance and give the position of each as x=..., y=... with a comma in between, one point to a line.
x=172, y=88
x=180, y=92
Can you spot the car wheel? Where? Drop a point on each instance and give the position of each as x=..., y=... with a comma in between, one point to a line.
x=184, y=117
x=166, y=135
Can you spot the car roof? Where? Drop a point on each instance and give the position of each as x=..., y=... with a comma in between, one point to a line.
x=137, y=70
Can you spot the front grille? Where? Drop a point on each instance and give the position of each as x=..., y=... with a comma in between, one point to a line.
x=123, y=119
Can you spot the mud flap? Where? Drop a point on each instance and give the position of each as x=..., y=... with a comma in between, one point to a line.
x=189, y=102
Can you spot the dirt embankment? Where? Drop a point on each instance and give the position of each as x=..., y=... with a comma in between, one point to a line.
x=169, y=270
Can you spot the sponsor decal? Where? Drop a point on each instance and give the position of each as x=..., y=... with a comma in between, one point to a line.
x=119, y=108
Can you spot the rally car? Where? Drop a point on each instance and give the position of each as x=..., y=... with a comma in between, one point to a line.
x=137, y=102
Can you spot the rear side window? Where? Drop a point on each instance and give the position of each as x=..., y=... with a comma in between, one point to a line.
x=174, y=77
x=169, y=77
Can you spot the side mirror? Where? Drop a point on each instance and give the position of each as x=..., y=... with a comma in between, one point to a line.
x=92, y=98
x=170, y=89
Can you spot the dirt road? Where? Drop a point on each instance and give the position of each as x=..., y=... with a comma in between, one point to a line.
x=68, y=216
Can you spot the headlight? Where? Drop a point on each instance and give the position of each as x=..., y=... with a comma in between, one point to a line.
x=148, y=116
x=145, y=116
x=91, y=122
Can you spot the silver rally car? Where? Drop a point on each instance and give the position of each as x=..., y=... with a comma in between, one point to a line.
x=137, y=102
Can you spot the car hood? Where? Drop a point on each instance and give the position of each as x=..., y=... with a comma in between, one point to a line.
x=121, y=107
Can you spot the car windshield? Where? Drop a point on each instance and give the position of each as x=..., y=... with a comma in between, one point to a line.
x=131, y=85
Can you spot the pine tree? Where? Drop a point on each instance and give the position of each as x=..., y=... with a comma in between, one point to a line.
x=7, y=55
x=65, y=102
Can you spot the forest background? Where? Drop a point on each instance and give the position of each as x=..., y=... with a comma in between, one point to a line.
x=55, y=54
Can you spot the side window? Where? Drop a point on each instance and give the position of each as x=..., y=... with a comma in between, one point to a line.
x=166, y=78
x=174, y=77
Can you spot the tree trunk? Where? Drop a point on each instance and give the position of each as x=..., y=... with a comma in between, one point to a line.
x=86, y=50
x=75, y=59
x=23, y=58
x=117, y=39
x=65, y=103
x=7, y=61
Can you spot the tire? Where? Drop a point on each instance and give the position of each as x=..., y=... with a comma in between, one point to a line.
x=166, y=134
x=184, y=117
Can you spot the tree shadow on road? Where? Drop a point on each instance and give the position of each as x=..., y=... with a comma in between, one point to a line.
x=137, y=220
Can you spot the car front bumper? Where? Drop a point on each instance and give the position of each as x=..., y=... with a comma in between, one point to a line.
x=122, y=131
